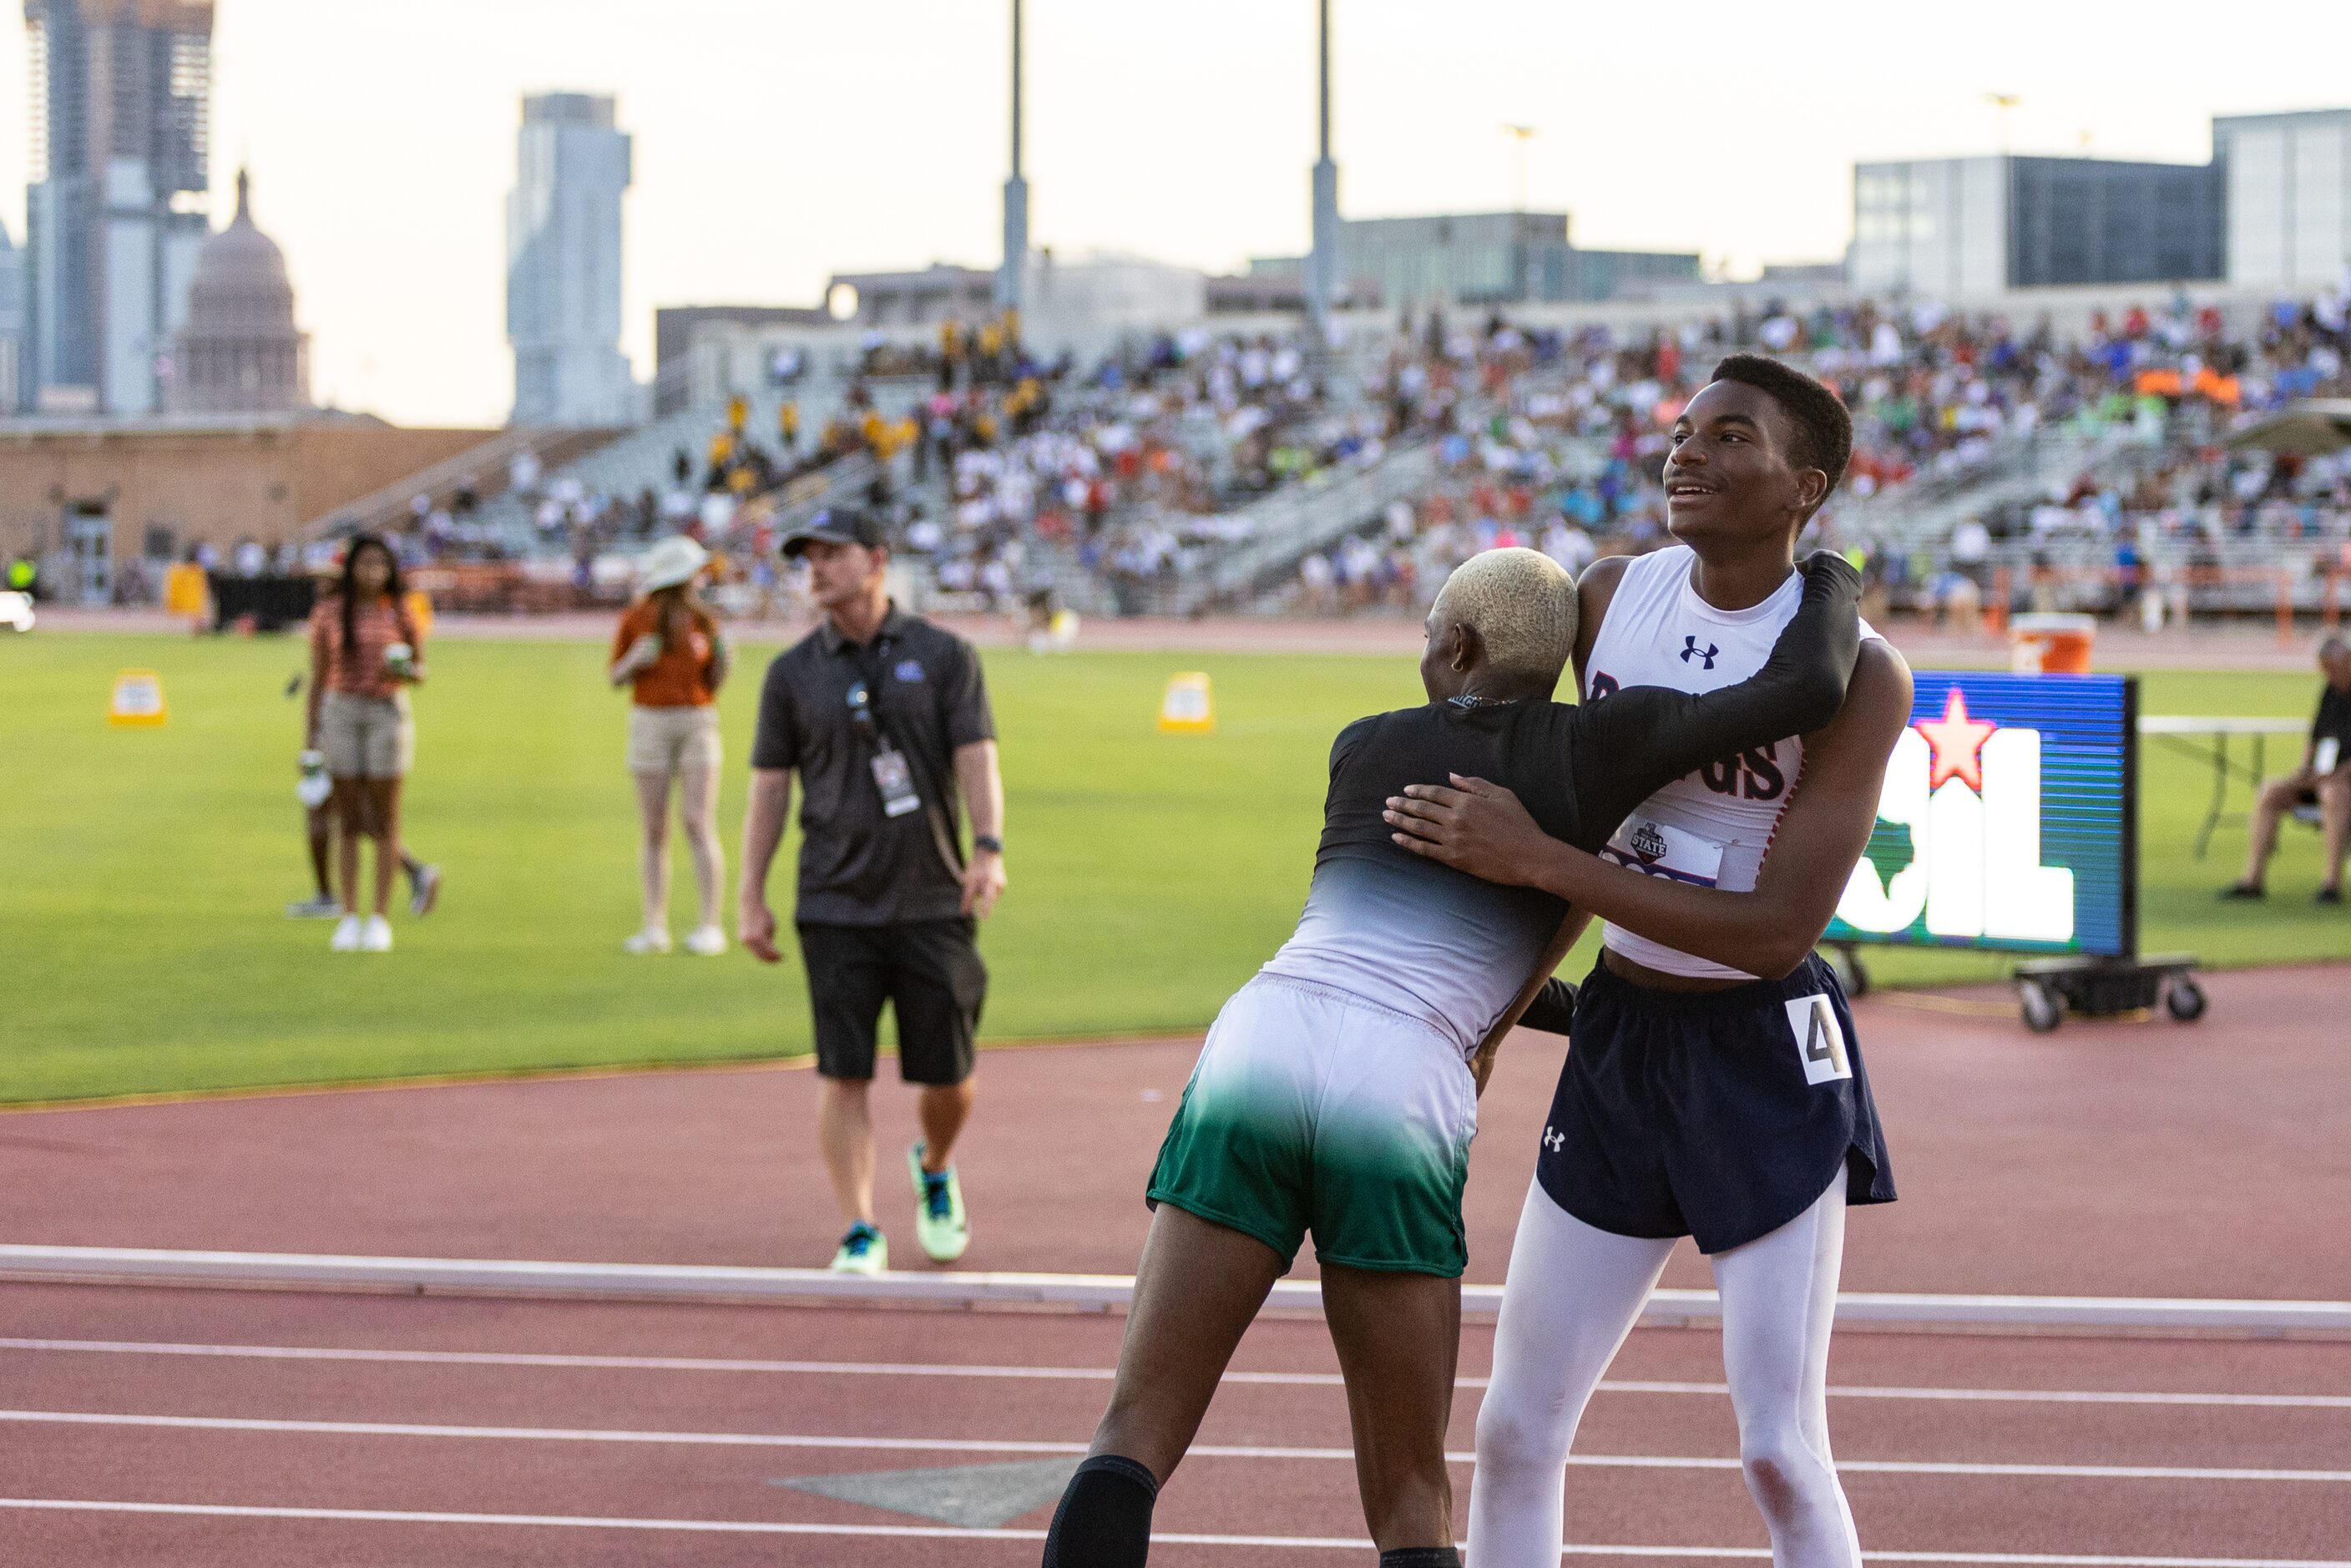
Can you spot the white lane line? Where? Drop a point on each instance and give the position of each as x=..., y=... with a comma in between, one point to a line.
x=1013, y=1446
x=940, y=1532
x=612, y=1362
x=1099, y=1373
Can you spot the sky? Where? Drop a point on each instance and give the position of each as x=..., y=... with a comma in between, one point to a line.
x=778, y=142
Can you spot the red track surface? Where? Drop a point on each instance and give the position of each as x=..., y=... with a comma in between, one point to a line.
x=2206, y=1518
x=2108, y=1159
x=2144, y=1160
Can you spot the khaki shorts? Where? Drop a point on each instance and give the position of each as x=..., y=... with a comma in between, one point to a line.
x=366, y=737
x=672, y=740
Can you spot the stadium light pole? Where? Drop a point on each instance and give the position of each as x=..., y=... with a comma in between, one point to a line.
x=1016, y=196
x=2005, y=103
x=1323, y=259
x=1519, y=136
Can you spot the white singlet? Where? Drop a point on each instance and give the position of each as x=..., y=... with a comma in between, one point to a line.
x=1709, y=828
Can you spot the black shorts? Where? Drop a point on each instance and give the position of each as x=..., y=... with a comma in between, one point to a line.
x=1716, y=1114
x=928, y=970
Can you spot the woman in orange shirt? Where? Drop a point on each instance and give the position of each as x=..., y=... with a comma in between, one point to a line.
x=365, y=653
x=668, y=652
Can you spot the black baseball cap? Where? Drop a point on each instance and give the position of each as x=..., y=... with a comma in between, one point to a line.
x=836, y=526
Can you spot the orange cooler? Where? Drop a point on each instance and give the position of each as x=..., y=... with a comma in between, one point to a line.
x=2051, y=644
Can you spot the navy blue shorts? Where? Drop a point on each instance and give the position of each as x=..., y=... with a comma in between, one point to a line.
x=1720, y=1116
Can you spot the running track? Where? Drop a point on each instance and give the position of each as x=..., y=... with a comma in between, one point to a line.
x=2108, y=1160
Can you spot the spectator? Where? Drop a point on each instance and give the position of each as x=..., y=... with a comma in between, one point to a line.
x=669, y=651
x=2323, y=781
x=365, y=655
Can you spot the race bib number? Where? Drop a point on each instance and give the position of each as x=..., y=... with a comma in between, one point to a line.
x=1643, y=845
x=1820, y=1040
x=896, y=782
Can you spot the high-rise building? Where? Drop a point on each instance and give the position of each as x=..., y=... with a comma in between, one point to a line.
x=1960, y=227
x=563, y=264
x=12, y=324
x=122, y=113
x=2289, y=179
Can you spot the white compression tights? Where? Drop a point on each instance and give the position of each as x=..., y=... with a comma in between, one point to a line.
x=1572, y=1295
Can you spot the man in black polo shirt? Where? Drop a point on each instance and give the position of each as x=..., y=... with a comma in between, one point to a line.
x=2323, y=781
x=884, y=718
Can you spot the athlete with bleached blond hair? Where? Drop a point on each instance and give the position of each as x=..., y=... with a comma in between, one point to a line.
x=1337, y=1092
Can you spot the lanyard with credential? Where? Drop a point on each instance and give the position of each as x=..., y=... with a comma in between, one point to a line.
x=894, y=773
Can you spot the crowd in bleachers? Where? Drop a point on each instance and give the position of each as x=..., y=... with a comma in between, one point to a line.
x=1134, y=471
x=1004, y=474
x=1568, y=454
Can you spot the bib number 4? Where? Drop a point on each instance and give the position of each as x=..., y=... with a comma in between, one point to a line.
x=1820, y=1040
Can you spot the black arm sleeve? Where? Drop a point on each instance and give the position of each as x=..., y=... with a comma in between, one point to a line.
x=1552, y=1008
x=1632, y=743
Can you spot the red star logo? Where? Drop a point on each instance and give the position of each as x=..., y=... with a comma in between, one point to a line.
x=1959, y=742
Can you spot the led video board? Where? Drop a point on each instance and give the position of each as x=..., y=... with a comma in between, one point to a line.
x=2009, y=820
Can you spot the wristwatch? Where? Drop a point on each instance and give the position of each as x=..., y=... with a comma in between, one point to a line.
x=988, y=842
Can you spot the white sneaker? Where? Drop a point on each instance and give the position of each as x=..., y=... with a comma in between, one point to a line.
x=376, y=937
x=706, y=941
x=346, y=934
x=649, y=940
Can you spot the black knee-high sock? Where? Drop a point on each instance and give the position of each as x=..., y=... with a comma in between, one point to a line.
x=1104, y=1519
x=1421, y=1557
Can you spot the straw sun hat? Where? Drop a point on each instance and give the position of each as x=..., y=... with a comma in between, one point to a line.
x=674, y=560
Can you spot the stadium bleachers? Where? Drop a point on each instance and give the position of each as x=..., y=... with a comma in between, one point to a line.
x=1191, y=473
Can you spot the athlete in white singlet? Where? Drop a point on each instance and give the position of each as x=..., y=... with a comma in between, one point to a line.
x=1709, y=828
x=1697, y=1099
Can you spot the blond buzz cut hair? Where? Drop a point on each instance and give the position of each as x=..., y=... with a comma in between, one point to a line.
x=1522, y=604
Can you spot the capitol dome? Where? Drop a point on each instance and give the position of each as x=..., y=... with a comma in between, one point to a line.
x=240, y=351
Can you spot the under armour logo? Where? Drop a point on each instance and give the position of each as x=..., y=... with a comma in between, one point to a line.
x=1690, y=650
x=1552, y=1141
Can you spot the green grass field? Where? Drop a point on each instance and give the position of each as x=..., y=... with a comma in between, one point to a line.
x=143, y=948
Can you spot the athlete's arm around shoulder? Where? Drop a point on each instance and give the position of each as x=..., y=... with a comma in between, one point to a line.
x=1822, y=837
x=1766, y=932
x=1769, y=931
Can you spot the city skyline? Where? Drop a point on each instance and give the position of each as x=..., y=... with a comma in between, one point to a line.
x=777, y=145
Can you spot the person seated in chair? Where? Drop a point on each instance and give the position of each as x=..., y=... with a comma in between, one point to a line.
x=2323, y=783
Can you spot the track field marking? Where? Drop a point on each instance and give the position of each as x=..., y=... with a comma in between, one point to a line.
x=1014, y=1446
x=943, y=1533
x=1099, y=1374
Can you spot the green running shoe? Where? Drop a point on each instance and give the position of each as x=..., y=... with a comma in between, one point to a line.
x=939, y=1222
x=863, y=1251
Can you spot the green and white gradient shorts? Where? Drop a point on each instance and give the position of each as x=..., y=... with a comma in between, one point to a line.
x=1314, y=1110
